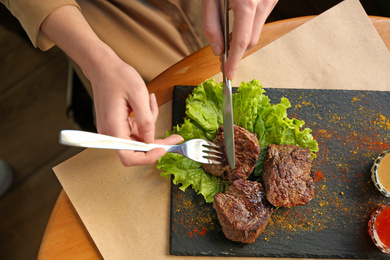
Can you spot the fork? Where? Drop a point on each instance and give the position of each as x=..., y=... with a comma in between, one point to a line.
x=198, y=150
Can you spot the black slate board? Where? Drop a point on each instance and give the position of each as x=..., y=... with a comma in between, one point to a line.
x=352, y=128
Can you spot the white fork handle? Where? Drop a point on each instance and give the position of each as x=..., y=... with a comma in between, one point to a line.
x=93, y=140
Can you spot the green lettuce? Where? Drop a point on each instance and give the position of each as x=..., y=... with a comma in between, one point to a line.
x=204, y=107
x=251, y=110
x=189, y=173
x=273, y=126
x=246, y=102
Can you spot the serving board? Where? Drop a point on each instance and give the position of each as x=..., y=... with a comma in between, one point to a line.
x=352, y=128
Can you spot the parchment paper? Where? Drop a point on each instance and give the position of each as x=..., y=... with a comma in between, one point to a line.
x=126, y=210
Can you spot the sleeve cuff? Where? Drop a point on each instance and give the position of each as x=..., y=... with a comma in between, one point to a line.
x=31, y=14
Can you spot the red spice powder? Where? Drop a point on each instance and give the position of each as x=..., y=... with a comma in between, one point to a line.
x=319, y=176
x=201, y=232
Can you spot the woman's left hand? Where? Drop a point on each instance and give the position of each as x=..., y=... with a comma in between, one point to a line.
x=249, y=18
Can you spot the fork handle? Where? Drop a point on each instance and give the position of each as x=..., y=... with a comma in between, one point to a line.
x=92, y=140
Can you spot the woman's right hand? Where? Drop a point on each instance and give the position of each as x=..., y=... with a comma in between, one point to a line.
x=118, y=89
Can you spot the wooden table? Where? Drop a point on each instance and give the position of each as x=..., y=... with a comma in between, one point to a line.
x=66, y=236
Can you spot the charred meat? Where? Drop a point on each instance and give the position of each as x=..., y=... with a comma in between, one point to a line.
x=243, y=211
x=287, y=175
x=247, y=149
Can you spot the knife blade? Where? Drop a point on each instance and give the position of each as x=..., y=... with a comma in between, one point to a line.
x=228, y=120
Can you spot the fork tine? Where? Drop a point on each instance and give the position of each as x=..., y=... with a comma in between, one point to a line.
x=212, y=160
x=211, y=144
x=212, y=152
x=212, y=147
x=200, y=150
x=211, y=155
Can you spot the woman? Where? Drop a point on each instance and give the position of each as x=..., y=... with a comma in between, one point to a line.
x=115, y=46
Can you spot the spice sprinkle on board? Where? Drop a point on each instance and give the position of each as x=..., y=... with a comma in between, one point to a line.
x=352, y=128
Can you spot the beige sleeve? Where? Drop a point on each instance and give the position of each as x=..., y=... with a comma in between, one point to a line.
x=31, y=14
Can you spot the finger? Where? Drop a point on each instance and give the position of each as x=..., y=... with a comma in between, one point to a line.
x=143, y=115
x=133, y=158
x=257, y=27
x=170, y=140
x=132, y=121
x=212, y=25
x=262, y=12
x=153, y=106
x=112, y=118
x=241, y=35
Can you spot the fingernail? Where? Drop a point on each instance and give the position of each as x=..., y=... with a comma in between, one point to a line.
x=216, y=49
x=153, y=98
x=180, y=139
x=231, y=75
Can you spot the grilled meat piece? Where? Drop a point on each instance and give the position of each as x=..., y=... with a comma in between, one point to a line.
x=247, y=149
x=243, y=211
x=286, y=175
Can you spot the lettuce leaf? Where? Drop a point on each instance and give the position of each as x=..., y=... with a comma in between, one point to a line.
x=204, y=107
x=246, y=102
x=189, y=173
x=273, y=126
x=251, y=110
x=189, y=130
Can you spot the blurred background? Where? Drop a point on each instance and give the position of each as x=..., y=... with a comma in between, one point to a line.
x=35, y=106
x=33, y=109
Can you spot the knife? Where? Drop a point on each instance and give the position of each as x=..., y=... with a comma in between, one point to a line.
x=227, y=88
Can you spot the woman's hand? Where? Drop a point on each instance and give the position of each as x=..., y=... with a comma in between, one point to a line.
x=118, y=89
x=249, y=18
